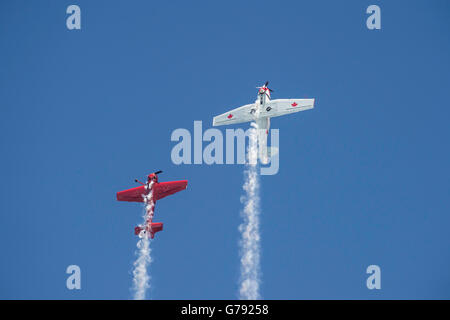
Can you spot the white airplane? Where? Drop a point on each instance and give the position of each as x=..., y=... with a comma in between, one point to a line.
x=260, y=112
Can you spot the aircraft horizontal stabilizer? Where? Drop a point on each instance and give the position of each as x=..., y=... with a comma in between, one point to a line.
x=154, y=227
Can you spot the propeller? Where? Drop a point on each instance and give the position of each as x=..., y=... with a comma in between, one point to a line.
x=266, y=85
x=157, y=172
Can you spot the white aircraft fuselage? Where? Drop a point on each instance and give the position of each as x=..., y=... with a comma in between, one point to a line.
x=260, y=112
x=263, y=123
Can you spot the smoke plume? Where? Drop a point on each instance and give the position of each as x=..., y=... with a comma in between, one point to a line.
x=141, y=277
x=249, y=229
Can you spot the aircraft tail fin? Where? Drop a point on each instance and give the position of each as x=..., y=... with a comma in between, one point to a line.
x=150, y=231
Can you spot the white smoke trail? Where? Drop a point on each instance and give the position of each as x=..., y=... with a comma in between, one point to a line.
x=250, y=237
x=141, y=278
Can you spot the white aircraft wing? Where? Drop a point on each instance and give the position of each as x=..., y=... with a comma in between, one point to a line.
x=238, y=115
x=280, y=107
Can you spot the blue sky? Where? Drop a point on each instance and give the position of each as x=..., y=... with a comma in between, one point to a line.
x=364, y=177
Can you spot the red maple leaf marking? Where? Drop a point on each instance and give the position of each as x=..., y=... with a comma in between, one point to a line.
x=294, y=104
x=230, y=116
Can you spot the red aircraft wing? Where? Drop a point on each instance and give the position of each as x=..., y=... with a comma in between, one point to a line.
x=164, y=189
x=132, y=195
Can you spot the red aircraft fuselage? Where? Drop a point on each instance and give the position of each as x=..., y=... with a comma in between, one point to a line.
x=158, y=191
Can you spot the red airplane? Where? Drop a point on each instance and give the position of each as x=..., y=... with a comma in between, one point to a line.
x=160, y=190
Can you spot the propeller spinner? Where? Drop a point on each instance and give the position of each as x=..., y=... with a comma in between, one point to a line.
x=265, y=86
